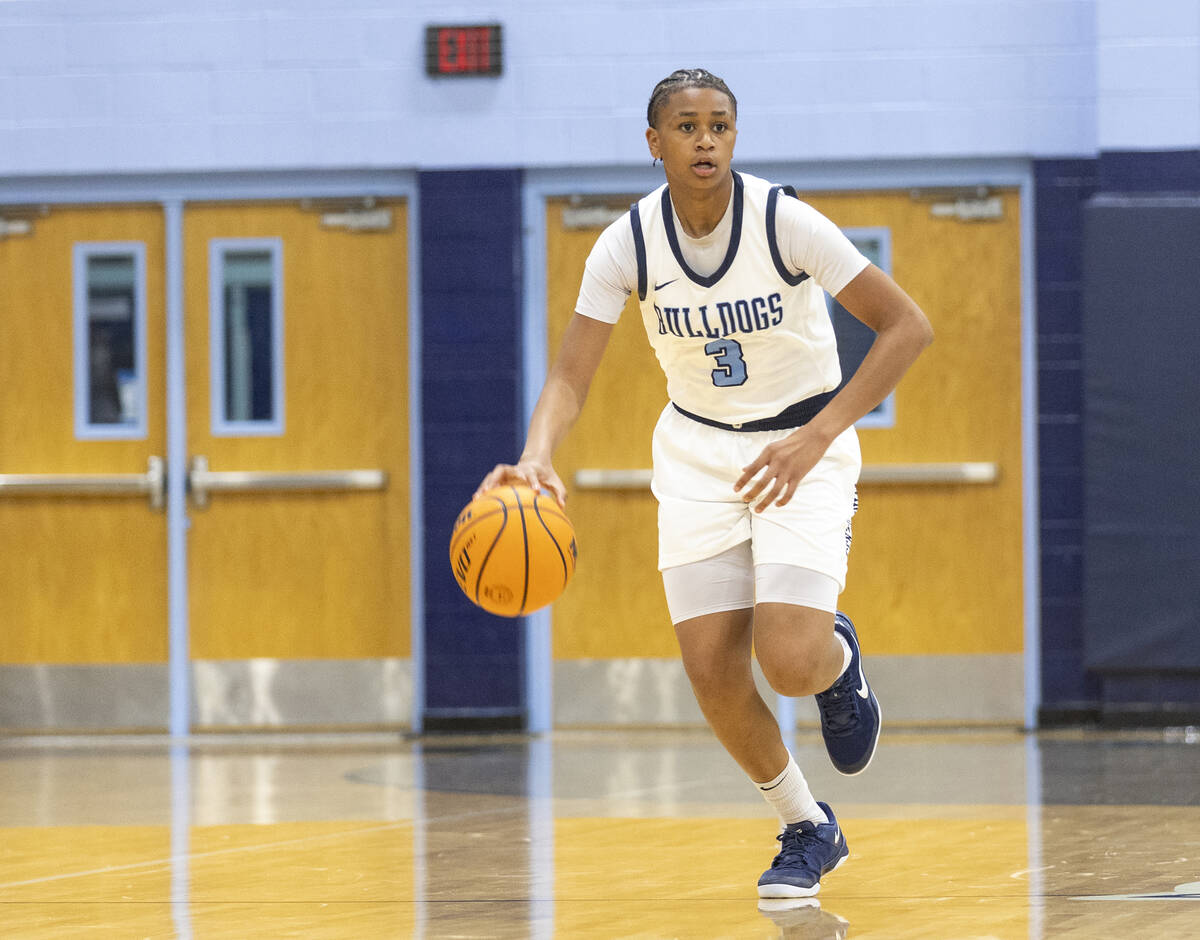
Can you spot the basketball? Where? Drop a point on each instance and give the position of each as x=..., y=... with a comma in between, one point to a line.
x=512, y=551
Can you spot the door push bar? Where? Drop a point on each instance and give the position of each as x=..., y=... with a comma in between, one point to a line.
x=152, y=484
x=202, y=482
x=910, y=474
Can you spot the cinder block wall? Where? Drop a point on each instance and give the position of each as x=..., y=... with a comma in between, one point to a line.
x=149, y=86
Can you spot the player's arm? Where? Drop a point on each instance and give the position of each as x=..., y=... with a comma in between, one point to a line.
x=902, y=331
x=557, y=408
x=609, y=277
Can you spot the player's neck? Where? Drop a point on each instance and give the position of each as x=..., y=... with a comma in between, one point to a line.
x=700, y=212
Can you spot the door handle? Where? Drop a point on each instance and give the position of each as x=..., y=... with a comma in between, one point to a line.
x=202, y=482
x=151, y=484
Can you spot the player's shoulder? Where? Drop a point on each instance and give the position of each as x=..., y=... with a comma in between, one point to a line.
x=639, y=207
x=754, y=183
x=644, y=208
x=791, y=209
x=617, y=235
x=760, y=187
x=614, y=255
x=786, y=200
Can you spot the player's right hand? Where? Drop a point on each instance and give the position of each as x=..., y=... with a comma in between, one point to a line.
x=532, y=473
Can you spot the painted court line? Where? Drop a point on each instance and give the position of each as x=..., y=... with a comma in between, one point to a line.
x=215, y=853
x=151, y=864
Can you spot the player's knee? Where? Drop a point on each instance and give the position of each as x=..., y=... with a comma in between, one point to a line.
x=794, y=680
x=794, y=669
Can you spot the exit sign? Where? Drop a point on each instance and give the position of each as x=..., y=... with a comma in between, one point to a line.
x=463, y=50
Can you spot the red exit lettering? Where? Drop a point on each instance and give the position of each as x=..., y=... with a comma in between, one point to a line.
x=464, y=50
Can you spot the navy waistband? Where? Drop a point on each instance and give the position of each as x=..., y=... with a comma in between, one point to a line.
x=793, y=416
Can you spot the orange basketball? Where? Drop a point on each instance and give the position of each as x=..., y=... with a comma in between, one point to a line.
x=512, y=551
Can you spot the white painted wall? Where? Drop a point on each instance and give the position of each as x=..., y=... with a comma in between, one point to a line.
x=149, y=85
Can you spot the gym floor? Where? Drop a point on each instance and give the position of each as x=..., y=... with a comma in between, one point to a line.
x=952, y=833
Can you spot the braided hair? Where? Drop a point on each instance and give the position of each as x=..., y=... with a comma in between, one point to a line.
x=685, y=78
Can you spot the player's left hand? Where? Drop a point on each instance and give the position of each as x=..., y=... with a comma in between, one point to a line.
x=776, y=472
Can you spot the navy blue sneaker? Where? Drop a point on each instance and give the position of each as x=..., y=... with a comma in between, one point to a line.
x=807, y=852
x=849, y=711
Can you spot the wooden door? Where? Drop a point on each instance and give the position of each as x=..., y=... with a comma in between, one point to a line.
x=302, y=575
x=82, y=578
x=616, y=607
x=935, y=569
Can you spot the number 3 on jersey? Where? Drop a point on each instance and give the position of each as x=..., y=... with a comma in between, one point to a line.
x=731, y=367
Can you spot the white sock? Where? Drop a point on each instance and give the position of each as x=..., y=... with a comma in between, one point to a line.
x=790, y=797
x=847, y=655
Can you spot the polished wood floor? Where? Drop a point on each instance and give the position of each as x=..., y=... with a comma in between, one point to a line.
x=591, y=834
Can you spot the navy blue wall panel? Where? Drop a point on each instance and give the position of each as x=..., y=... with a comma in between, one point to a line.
x=1060, y=189
x=1141, y=511
x=471, y=419
x=1169, y=171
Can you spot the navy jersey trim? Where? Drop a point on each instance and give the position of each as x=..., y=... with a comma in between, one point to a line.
x=639, y=248
x=735, y=236
x=793, y=416
x=772, y=241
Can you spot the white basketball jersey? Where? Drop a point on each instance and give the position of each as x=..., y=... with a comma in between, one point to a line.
x=750, y=339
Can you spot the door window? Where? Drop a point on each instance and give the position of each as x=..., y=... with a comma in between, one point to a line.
x=854, y=338
x=110, y=340
x=246, y=320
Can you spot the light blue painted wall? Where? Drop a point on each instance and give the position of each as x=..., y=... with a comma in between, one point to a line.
x=1148, y=74
x=148, y=85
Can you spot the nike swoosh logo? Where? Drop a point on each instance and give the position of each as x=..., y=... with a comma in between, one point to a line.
x=665, y=283
x=862, y=680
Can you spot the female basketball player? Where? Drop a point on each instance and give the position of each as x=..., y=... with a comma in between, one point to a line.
x=755, y=457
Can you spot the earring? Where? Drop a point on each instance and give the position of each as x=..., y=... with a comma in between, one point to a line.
x=654, y=162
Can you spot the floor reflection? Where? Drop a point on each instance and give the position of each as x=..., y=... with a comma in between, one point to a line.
x=181, y=841
x=804, y=919
x=592, y=834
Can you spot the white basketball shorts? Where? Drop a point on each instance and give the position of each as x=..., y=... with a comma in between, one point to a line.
x=700, y=515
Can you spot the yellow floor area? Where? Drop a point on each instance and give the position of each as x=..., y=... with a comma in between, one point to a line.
x=585, y=835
